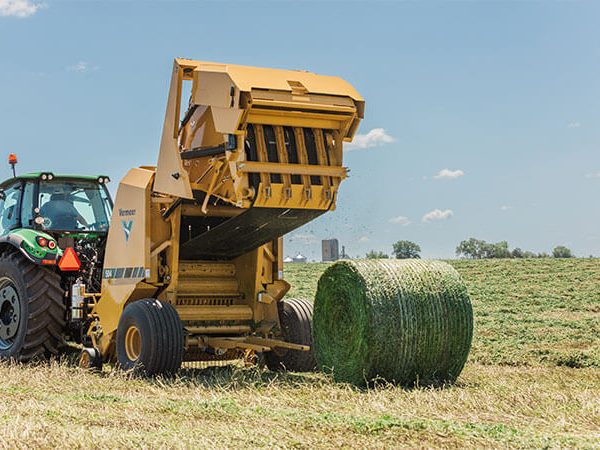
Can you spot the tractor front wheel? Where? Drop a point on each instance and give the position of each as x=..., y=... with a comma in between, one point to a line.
x=150, y=338
x=32, y=309
x=295, y=317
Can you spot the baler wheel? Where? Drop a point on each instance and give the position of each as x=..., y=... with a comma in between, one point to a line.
x=295, y=316
x=150, y=338
x=32, y=309
x=91, y=359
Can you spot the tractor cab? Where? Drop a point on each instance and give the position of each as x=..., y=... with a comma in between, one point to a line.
x=42, y=215
x=58, y=205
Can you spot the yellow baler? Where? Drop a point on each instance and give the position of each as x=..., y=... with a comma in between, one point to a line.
x=193, y=261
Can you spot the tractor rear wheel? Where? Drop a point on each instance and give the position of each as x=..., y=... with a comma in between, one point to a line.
x=150, y=338
x=32, y=309
x=295, y=317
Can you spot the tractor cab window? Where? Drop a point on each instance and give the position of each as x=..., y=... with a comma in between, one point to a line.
x=9, y=206
x=73, y=206
x=26, y=211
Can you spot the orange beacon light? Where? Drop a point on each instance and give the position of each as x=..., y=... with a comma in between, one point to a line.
x=12, y=160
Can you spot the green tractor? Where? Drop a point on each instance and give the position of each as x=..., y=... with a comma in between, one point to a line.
x=52, y=234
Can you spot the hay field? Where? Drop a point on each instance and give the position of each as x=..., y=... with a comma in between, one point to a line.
x=532, y=380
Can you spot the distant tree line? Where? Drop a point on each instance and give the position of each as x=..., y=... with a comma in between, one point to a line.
x=400, y=250
x=473, y=249
x=376, y=254
x=479, y=249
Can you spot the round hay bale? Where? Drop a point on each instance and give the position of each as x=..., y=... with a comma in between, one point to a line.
x=404, y=321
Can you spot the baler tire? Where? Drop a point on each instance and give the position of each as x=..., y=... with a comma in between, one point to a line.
x=39, y=309
x=90, y=359
x=150, y=338
x=295, y=316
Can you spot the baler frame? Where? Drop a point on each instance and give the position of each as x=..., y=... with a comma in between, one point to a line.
x=258, y=150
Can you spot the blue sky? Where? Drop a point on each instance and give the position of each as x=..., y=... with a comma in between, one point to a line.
x=482, y=117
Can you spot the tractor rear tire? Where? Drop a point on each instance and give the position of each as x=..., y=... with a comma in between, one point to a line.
x=295, y=317
x=150, y=338
x=32, y=309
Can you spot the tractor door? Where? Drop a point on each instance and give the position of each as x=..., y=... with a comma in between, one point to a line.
x=27, y=206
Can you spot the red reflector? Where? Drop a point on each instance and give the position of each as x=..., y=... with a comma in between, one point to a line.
x=69, y=260
x=51, y=245
x=42, y=241
x=48, y=262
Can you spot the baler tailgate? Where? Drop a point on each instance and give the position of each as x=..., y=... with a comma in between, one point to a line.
x=250, y=135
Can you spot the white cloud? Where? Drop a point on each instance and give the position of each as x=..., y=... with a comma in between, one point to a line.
x=400, y=220
x=437, y=214
x=447, y=174
x=364, y=239
x=593, y=175
x=81, y=67
x=374, y=138
x=19, y=8
x=574, y=125
x=505, y=207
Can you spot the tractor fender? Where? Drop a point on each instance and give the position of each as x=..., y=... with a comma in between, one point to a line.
x=25, y=241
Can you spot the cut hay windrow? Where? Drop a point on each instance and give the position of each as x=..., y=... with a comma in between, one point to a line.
x=404, y=321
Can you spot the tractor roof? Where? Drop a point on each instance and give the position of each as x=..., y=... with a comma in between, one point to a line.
x=37, y=175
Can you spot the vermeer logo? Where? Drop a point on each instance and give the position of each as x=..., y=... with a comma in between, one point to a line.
x=127, y=226
x=126, y=212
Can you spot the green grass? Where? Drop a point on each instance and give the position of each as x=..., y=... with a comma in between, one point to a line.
x=535, y=312
x=532, y=380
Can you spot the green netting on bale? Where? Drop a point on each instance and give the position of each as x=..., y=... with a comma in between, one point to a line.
x=404, y=321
